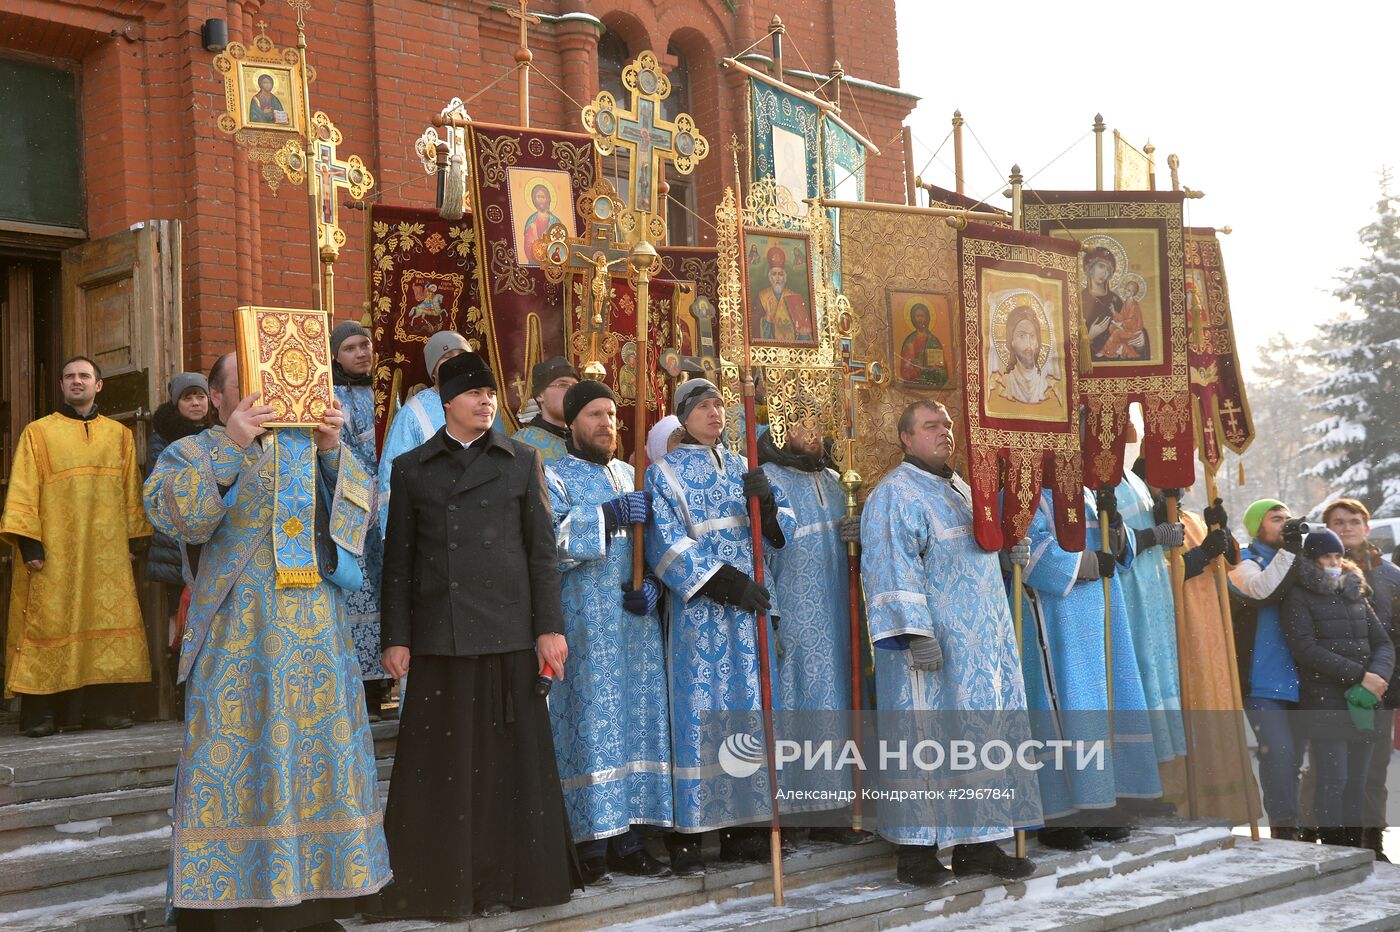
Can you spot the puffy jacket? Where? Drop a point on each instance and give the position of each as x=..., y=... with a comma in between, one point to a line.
x=167, y=426
x=1384, y=580
x=1335, y=637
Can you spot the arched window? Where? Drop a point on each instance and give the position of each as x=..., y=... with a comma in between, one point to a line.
x=612, y=58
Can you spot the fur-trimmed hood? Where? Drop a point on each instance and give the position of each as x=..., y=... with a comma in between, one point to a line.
x=1351, y=585
x=172, y=425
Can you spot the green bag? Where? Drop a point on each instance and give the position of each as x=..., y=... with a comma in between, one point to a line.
x=1362, y=706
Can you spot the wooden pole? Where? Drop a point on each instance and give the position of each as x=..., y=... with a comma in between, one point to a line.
x=1236, y=713
x=1177, y=571
x=765, y=675
x=318, y=297
x=1107, y=621
x=523, y=56
x=1099, y=127
x=983, y=215
x=851, y=481
x=1017, y=618
x=776, y=29
x=958, y=152
x=911, y=182
x=642, y=256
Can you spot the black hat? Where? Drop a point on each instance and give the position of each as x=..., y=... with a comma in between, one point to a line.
x=582, y=394
x=462, y=373
x=547, y=371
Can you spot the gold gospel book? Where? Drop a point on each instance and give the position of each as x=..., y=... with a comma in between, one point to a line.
x=285, y=354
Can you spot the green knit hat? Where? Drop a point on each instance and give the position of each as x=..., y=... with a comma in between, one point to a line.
x=1254, y=514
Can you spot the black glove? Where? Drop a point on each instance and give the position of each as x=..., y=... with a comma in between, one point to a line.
x=1216, y=516
x=850, y=529
x=627, y=509
x=1293, y=531
x=1216, y=543
x=756, y=485
x=1106, y=499
x=925, y=653
x=1159, y=505
x=1095, y=564
x=1163, y=535
x=732, y=586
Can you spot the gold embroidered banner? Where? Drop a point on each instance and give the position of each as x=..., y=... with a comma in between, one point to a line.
x=899, y=271
x=1133, y=301
x=1217, y=388
x=1020, y=424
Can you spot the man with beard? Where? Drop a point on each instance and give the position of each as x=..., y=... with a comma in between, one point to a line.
x=701, y=546
x=475, y=821
x=549, y=382
x=611, y=733
x=352, y=356
x=809, y=581
x=1022, y=379
x=72, y=513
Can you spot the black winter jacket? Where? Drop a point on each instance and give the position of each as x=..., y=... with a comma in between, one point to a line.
x=167, y=426
x=1335, y=638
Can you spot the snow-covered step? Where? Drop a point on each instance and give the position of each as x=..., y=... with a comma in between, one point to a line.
x=64, y=872
x=140, y=908
x=1373, y=905
x=1159, y=896
x=866, y=898
x=120, y=812
x=86, y=763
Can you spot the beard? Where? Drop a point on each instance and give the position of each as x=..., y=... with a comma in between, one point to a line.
x=1027, y=358
x=598, y=446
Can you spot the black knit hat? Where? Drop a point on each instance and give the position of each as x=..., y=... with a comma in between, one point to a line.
x=580, y=395
x=462, y=373
x=547, y=371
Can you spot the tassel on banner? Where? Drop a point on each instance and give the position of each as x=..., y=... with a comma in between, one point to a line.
x=454, y=197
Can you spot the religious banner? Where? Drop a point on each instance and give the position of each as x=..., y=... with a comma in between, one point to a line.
x=1133, y=337
x=1132, y=170
x=284, y=354
x=1020, y=421
x=843, y=179
x=900, y=276
x=1222, y=414
x=786, y=144
x=946, y=197
x=524, y=181
x=694, y=341
x=789, y=310
x=422, y=279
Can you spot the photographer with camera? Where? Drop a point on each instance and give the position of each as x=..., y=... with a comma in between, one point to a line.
x=1266, y=573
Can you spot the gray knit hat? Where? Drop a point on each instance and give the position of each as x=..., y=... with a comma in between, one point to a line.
x=344, y=331
x=439, y=344
x=690, y=393
x=184, y=381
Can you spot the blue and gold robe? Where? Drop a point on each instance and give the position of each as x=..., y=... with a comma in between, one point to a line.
x=809, y=579
x=609, y=715
x=1066, y=678
x=552, y=447
x=925, y=575
x=1147, y=593
x=700, y=520
x=418, y=419
x=275, y=794
x=362, y=606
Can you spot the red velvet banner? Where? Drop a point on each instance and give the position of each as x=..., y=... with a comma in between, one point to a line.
x=1133, y=304
x=523, y=181
x=422, y=279
x=1221, y=408
x=1020, y=324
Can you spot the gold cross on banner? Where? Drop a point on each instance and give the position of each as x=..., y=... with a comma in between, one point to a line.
x=652, y=142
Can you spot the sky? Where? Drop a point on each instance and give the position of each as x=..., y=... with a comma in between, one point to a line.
x=1282, y=114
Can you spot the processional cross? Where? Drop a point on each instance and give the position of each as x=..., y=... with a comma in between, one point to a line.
x=523, y=55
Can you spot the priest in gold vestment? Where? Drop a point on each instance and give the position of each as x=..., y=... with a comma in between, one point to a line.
x=72, y=513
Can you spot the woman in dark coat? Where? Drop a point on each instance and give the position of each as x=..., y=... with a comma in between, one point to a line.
x=1338, y=644
x=185, y=414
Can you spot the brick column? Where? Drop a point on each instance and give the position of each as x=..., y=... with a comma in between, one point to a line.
x=578, y=55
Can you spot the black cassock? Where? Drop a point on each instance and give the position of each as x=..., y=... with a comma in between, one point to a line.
x=476, y=814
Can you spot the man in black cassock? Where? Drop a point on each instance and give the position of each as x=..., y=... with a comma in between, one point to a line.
x=470, y=601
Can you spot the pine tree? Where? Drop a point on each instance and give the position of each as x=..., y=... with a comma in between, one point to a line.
x=1359, y=432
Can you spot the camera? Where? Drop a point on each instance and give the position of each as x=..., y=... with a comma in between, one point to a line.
x=1295, y=526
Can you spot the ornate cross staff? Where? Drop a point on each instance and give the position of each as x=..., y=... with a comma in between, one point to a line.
x=855, y=374
x=653, y=142
x=524, y=56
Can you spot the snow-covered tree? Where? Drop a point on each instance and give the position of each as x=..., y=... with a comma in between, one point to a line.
x=1358, y=435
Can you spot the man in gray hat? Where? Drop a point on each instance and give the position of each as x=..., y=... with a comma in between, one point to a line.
x=420, y=417
x=550, y=381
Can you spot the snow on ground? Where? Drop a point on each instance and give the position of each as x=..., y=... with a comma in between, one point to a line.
x=143, y=896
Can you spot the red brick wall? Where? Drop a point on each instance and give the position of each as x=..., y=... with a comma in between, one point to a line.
x=150, y=95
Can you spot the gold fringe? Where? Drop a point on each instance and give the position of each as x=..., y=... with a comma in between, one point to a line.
x=297, y=577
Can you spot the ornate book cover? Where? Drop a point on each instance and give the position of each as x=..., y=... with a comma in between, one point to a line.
x=285, y=354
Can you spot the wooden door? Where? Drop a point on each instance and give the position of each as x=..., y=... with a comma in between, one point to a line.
x=121, y=307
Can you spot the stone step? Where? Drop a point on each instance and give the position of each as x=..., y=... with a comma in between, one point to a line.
x=1373, y=905
x=75, y=870
x=87, y=763
x=867, y=899
x=98, y=815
